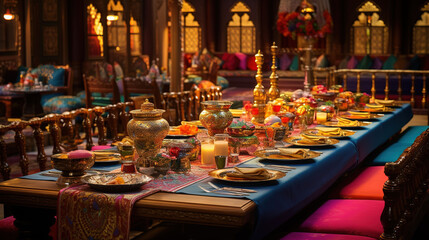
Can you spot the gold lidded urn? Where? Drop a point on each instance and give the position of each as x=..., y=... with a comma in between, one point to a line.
x=216, y=116
x=148, y=129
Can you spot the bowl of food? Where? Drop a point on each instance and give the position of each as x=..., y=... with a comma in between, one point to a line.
x=241, y=128
x=116, y=182
x=72, y=165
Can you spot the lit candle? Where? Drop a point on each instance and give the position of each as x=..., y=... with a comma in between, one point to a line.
x=207, y=153
x=321, y=117
x=221, y=148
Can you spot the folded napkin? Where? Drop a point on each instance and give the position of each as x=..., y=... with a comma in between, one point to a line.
x=249, y=174
x=295, y=152
x=358, y=113
x=383, y=102
x=374, y=105
x=307, y=139
x=346, y=122
x=106, y=155
x=329, y=131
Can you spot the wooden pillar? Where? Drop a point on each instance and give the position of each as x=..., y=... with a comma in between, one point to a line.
x=176, y=84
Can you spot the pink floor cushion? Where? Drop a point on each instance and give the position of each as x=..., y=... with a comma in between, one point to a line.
x=322, y=236
x=346, y=216
x=8, y=231
x=367, y=185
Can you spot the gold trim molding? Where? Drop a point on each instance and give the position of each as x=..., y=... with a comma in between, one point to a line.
x=369, y=7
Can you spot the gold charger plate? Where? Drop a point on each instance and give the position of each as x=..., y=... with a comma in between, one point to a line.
x=335, y=124
x=294, y=141
x=274, y=154
x=221, y=175
x=317, y=133
x=377, y=110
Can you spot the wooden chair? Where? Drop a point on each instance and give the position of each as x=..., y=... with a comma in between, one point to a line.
x=107, y=88
x=142, y=89
x=406, y=201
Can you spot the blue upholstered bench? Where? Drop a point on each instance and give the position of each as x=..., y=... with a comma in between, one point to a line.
x=394, y=150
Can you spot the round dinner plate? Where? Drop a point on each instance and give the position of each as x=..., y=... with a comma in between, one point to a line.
x=357, y=116
x=275, y=154
x=335, y=124
x=294, y=141
x=315, y=132
x=100, y=182
x=221, y=175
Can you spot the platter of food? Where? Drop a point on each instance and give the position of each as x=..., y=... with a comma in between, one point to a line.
x=116, y=182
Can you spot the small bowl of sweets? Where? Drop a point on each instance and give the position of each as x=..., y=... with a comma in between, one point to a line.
x=241, y=128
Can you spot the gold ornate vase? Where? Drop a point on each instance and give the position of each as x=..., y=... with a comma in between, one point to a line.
x=147, y=129
x=216, y=116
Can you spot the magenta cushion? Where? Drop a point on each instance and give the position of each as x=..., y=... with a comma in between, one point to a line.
x=322, y=236
x=367, y=185
x=242, y=60
x=230, y=61
x=100, y=147
x=352, y=63
x=377, y=64
x=8, y=231
x=346, y=216
x=79, y=154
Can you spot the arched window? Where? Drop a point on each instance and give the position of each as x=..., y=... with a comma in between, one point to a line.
x=94, y=33
x=369, y=33
x=191, y=29
x=135, y=42
x=241, y=30
x=116, y=29
x=421, y=32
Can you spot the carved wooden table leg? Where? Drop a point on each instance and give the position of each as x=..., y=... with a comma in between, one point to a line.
x=33, y=223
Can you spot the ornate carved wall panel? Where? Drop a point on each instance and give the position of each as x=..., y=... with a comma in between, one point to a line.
x=50, y=41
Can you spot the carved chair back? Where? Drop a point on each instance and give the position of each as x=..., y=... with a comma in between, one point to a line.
x=405, y=191
x=67, y=131
x=144, y=88
x=103, y=86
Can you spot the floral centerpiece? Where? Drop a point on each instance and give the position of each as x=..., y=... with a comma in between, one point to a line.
x=302, y=22
x=362, y=99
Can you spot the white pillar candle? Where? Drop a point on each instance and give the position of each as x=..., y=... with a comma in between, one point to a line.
x=321, y=117
x=207, y=153
x=221, y=148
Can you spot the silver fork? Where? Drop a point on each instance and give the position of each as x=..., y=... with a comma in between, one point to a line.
x=223, y=193
x=277, y=167
x=231, y=189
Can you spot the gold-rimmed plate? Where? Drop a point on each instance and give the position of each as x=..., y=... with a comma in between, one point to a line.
x=275, y=154
x=297, y=141
x=341, y=134
x=359, y=124
x=221, y=174
x=388, y=103
x=377, y=110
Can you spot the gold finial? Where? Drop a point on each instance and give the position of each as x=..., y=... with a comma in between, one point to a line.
x=273, y=92
x=259, y=96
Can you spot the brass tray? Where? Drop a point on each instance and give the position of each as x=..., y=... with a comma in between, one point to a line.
x=133, y=182
x=294, y=141
x=317, y=133
x=335, y=124
x=274, y=154
x=221, y=175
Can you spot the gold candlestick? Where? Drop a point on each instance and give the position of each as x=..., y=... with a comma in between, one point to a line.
x=259, y=96
x=273, y=92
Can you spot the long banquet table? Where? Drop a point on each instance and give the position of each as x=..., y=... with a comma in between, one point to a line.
x=261, y=212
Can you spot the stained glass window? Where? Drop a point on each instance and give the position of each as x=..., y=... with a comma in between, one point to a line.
x=95, y=32
x=421, y=32
x=369, y=33
x=241, y=30
x=191, y=29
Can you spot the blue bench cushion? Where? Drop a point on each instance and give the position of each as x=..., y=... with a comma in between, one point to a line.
x=61, y=104
x=411, y=133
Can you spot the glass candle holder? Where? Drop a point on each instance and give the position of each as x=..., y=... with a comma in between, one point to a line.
x=207, y=151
